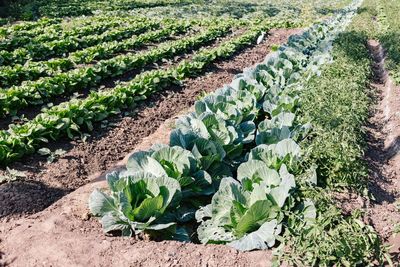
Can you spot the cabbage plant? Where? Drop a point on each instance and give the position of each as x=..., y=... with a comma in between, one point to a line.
x=235, y=106
x=210, y=154
x=138, y=202
x=280, y=127
x=246, y=213
x=212, y=126
x=286, y=152
x=174, y=162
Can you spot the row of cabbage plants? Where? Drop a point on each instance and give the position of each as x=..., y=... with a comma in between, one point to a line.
x=232, y=164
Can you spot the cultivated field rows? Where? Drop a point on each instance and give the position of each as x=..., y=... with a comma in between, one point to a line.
x=118, y=148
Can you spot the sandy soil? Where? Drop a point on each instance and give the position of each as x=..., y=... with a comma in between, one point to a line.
x=383, y=155
x=64, y=234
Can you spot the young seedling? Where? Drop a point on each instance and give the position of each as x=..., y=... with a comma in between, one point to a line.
x=11, y=176
x=51, y=156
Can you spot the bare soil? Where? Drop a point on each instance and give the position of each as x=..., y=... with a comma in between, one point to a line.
x=64, y=234
x=383, y=155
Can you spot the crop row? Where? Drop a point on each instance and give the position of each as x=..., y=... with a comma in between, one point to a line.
x=69, y=44
x=56, y=32
x=70, y=117
x=39, y=8
x=27, y=25
x=43, y=25
x=238, y=149
x=14, y=75
x=38, y=92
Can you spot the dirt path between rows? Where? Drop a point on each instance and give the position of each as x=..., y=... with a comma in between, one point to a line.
x=64, y=234
x=383, y=155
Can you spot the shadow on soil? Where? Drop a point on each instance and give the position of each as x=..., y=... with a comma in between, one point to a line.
x=393, y=149
x=28, y=197
x=377, y=157
x=2, y=262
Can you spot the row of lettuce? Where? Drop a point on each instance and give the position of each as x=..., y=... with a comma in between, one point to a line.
x=55, y=31
x=232, y=164
x=78, y=32
x=33, y=70
x=41, y=51
x=77, y=115
x=30, y=71
x=46, y=28
x=27, y=26
x=45, y=89
x=30, y=10
x=86, y=49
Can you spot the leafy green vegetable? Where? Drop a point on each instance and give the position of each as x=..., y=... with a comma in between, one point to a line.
x=246, y=214
x=174, y=162
x=139, y=202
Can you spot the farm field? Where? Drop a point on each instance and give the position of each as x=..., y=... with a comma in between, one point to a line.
x=202, y=133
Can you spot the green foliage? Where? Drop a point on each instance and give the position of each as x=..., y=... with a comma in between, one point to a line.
x=32, y=70
x=177, y=163
x=337, y=105
x=139, y=202
x=389, y=35
x=51, y=155
x=245, y=214
x=40, y=91
x=248, y=149
x=250, y=210
x=40, y=51
x=307, y=11
x=331, y=239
